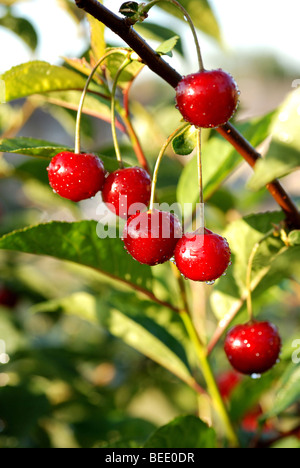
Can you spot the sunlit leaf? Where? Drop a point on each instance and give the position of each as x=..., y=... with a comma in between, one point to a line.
x=39, y=77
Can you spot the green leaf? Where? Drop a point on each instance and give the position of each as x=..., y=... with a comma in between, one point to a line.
x=294, y=237
x=183, y=432
x=219, y=160
x=283, y=155
x=201, y=13
x=113, y=63
x=289, y=391
x=159, y=33
x=185, y=143
x=31, y=147
x=46, y=149
x=167, y=46
x=79, y=242
x=280, y=161
x=139, y=328
x=39, y=77
x=97, y=37
x=22, y=27
x=230, y=291
x=285, y=127
x=146, y=327
x=94, y=105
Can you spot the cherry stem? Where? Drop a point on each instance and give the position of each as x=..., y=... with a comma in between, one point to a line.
x=189, y=20
x=249, y=273
x=158, y=161
x=84, y=92
x=200, y=178
x=126, y=62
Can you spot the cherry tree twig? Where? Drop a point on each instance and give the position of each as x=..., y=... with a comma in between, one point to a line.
x=123, y=28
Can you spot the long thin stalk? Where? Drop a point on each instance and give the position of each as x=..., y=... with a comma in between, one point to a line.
x=83, y=95
x=158, y=161
x=126, y=62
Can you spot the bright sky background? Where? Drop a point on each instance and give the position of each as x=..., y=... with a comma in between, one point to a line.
x=261, y=25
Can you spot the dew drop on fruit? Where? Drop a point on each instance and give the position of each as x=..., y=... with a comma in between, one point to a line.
x=210, y=283
x=255, y=376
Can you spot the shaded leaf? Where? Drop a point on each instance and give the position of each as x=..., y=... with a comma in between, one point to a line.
x=219, y=160
x=31, y=147
x=79, y=242
x=22, y=27
x=138, y=325
x=45, y=149
x=289, y=391
x=280, y=161
x=283, y=155
x=270, y=264
x=183, y=432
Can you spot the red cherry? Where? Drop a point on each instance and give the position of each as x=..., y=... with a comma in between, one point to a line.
x=253, y=348
x=76, y=176
x=207, y=98
x=202, y=256
x=151, y=237
x=126, y=187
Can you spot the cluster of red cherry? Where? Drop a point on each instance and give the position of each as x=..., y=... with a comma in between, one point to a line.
x=206, y=99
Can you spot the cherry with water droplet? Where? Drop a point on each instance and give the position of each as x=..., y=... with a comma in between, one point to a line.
x=76, y=177
x=126, y=188
x=151, y=237
x=202, y=256
x=208, y=98
x=253, y=348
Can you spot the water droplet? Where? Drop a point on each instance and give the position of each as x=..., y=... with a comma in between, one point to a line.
x=255, y=376
x=210, y=283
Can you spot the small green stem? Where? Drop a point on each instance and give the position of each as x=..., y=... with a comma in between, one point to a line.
x=126, y=62
x=189, y=20
x=80, y=107
x=158, y=161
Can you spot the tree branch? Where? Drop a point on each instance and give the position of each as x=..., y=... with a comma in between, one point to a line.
x=123, y=28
